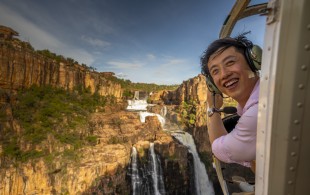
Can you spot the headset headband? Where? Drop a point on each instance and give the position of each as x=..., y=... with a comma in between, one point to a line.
x=252, y=53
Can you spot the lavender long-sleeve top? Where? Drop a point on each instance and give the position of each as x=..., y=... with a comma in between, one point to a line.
x=239, y=146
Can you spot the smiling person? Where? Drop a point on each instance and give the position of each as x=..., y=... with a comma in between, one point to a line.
x=228, y=63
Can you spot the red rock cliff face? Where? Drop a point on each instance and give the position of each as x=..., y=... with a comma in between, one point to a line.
x=21, y=68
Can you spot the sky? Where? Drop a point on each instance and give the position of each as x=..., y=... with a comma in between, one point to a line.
x=148, y=41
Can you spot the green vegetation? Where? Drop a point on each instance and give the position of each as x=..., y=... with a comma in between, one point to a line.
x=207, y=160
x=44, y=112
x=129, y=87
x=229, y=102
x=127, y=94
x=56, y=116
x=188, y=113
x=114, y=140
x=117, y=140
x=10, y=148
x=51, y=55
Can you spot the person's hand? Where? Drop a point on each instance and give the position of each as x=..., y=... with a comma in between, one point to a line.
x=218, y=100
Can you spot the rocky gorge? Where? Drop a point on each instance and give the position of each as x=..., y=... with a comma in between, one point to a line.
x=57, y=165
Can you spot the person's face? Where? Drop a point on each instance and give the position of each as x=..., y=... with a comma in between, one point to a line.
x=232, y=74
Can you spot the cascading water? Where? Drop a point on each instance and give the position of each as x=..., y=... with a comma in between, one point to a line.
x=149, y=181
x=157, y=175
x=163, y=111
x=143, y=115
x=137, y=103
x=136, y=96
x=135, y=178
x=203, y=186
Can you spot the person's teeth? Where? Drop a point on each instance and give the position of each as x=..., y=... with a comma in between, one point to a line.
x=230, y=83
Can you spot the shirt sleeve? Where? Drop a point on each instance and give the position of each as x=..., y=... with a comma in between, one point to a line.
x=239, y=146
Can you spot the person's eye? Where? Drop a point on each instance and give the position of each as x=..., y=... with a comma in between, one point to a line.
x=214, y=71
x=230, y=62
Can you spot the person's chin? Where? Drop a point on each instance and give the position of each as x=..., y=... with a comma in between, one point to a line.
x=231, y=90
x=233, y=93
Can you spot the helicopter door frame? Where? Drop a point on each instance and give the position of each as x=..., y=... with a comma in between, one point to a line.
x=239, y=10
x=283, y=136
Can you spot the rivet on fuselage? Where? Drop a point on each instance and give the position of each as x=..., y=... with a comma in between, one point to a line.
x=304, y=67
x=292, y=168
x=300, y=86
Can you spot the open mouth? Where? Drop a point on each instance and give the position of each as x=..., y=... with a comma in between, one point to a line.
x=231, y=83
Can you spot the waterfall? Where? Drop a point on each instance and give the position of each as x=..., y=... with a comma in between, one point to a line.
x=202, y=183
x=136, y=105
x=157, y=175
x=149, y=181
x=145, y=114
x=163, y=111
x=136, y=96
x=135, y=178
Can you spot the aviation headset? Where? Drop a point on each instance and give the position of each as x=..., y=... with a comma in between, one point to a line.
x=253, y=55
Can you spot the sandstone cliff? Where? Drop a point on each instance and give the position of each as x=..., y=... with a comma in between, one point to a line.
x=21, y=67
x=101, y=167
x=188, y=103
x=187, y=107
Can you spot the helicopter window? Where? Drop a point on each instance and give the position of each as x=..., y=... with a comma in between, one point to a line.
x=253, y=24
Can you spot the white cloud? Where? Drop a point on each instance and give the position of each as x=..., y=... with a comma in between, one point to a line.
x=151, y=69
x=151, y=56
x=27, y=29
x=79, y=55
x=41, y=39
x=95, y=42
x=121, y=75
x=173, y=62
x=172, y=68
x=125, y=65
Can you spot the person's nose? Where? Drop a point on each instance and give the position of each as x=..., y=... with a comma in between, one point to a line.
x=225, y=72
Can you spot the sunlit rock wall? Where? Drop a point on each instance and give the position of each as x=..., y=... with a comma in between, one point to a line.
x=22, y=67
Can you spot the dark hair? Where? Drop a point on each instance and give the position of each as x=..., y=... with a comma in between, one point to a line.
x=218, y=46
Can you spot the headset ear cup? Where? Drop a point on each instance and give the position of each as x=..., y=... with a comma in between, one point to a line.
x=256, y=56
x=211, y=85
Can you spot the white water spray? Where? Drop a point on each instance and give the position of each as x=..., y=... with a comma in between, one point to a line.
x=157, y=176
x=163, y=111
x=137, y=105
x=143, y=115
x=202, y=182
x=135, y=179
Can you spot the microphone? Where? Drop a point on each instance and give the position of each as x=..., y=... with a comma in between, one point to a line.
x=227, y=110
